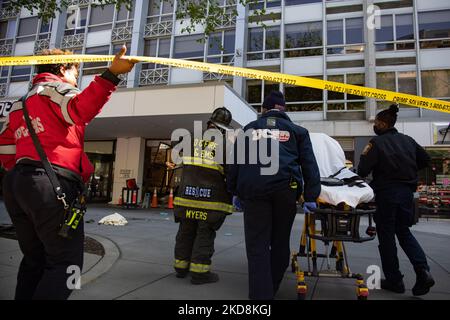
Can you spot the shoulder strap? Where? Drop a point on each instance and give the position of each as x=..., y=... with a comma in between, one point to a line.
x=47, y=166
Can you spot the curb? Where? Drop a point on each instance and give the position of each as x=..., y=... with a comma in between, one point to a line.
x=112, y=254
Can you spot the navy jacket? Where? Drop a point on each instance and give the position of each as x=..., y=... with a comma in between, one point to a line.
x=296, y=160
x=393, y=158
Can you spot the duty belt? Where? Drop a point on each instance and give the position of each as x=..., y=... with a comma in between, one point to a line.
x=62, y=172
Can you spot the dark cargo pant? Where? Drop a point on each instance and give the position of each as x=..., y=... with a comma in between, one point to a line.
x=37, y=215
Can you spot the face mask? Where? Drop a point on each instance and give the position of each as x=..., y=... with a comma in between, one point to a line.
x=377, y=131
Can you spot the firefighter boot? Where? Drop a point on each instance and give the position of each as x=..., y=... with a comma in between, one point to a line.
x=181, y=273
x=397, y=287
x=203, y=278
x=424, y=281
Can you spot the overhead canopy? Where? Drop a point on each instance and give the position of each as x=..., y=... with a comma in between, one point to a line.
x=156, y=112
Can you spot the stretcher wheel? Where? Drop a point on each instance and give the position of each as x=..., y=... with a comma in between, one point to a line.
x=302, y=289
x=362, y=292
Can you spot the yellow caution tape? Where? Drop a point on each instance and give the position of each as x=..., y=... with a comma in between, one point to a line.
x=401, y=98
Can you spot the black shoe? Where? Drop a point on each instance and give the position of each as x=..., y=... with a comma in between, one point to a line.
x=202, y=278
x=181, y=273
x=398, y=287
x=423, y=283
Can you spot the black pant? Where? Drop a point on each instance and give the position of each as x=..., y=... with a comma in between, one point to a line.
x=194, y=244
x=393, y=217
x=268, y=223
x=37, y=216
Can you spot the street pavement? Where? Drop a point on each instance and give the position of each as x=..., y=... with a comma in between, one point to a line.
x=142, y=268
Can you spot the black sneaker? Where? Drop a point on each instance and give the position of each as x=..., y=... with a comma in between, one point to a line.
x=203, y=278
x=398, y=287
x=424, y=282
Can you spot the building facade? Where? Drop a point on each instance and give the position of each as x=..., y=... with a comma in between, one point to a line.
x=398, y=45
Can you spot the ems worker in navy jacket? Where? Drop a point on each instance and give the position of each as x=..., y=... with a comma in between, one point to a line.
x=394, y=159
x=269, y=201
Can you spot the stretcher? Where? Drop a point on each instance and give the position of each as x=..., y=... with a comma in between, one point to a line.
x=344, y=199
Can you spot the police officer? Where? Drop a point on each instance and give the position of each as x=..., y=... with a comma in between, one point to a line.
x=394, y=159
x=202, y=201
x=59, y=112
x=269, y=201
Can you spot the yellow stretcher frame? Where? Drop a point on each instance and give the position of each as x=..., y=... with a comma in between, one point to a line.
x=308, y=249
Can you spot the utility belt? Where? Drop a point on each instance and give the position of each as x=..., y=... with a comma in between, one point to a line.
x=74, y=210
x=60, y=171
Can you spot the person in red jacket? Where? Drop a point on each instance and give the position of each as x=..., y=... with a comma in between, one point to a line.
x=59, y=113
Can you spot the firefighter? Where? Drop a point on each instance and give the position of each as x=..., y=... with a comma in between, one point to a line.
x=269, y=200
x=394, y=159
x=59, y=112
x=202, y=202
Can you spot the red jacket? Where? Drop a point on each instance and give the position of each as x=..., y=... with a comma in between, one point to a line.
x=59, y=114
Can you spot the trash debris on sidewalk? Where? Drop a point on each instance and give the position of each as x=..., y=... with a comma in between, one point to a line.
x=228, y=234
x=114, y=220
x=164, y=214
x=90, y=221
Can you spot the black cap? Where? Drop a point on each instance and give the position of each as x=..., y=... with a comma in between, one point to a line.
x=389, y=116
x=275, y=97
x=221, y=118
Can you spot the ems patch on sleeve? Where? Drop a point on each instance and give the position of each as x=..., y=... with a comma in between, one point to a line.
x=271, y=122
x=367, y=149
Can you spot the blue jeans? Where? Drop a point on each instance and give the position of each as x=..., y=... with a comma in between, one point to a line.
x=394, y=217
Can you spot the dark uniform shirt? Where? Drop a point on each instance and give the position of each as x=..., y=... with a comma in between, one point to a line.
x=393, y=158
x=296, y=161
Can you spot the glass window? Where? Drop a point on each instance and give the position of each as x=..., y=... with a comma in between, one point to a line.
x=299, y=94
x=3, y=29
x=386, y=81
x=404, y=27
x=101, y=15
x=303, y=35
x=255, y=39
x=167, y=7
x=335, y=32
x=153, y=7
x=273, y=38
x=386, y=32
x=295, y=2
x=229, y=42
x=215, y=45
x=434, y=24
x=336, y=95
x=254, y=91
x=189, y=47
x=11, y=29
x=354, y=30
x=28, y=26
x=356, y=79
x=436, y=83
x=150, y=47
x=407, y=82
x=124, y=14
x=20, y=73
x=95, y=50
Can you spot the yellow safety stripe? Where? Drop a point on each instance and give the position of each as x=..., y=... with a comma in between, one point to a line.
x=207, y=205
x=181, y=264
x=373, y=93
x=205, y=163
x=199, y=268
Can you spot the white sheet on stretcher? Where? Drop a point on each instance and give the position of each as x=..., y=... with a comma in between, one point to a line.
x=331, y=158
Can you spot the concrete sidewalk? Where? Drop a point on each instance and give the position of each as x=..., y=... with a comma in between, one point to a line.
x=144, y=268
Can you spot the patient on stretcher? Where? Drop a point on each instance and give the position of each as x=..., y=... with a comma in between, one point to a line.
x=339, y=184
